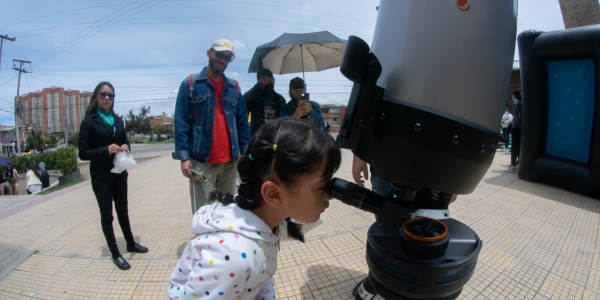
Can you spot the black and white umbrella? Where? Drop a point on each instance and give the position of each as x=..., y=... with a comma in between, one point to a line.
x=299, y=52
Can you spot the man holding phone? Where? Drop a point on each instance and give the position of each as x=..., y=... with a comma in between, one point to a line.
x=211, y=126
x=300, y=105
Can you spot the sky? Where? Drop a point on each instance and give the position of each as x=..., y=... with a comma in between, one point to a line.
x=145, y=48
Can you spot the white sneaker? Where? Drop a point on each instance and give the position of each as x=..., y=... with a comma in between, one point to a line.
x=517, y=167
x=510, y=169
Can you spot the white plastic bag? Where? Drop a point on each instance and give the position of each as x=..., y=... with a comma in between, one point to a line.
x=122, y=161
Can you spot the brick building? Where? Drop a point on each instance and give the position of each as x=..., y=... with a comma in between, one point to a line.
x=161, y=120
x=53, y=110
x=333, y=114
x=577, y=13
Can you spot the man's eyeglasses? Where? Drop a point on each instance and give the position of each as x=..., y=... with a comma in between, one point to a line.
x=221, y=54
x=295, y=87
x=104, y=95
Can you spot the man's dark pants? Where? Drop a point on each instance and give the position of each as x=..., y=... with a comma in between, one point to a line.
x=516, y=146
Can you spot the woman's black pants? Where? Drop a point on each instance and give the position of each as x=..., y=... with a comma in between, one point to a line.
x=110, y=187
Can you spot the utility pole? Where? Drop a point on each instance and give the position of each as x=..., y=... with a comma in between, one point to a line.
x=17, y=103
x=2, y=38
x=65, y=112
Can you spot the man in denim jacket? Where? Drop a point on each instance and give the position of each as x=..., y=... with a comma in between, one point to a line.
x=211, y=126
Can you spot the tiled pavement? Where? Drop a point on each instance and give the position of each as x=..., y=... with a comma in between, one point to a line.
x=540, y=242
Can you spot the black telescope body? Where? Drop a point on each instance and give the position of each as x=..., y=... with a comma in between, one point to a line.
x=424, y=112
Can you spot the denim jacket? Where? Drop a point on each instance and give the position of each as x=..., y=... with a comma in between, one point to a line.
x=315, y=114
x=195, y=117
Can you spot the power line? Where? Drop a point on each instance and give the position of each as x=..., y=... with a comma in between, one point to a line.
x=59, y=13
x=40, y=60
x=51, y=30
x=96, y=30
x=169, y=65
x=1, y=84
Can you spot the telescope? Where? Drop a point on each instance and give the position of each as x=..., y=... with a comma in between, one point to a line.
x=424, y=111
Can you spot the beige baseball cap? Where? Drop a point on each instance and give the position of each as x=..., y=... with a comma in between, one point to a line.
x=223, y=45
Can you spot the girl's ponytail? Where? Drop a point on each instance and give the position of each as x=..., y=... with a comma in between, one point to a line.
x=294, y=230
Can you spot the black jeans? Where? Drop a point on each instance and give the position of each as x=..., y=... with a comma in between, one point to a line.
x=110, y=187
x=516, y=146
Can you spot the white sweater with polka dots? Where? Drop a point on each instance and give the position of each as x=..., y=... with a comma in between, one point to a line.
x=233, y=256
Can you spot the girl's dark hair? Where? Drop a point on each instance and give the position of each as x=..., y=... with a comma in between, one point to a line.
x=517, y=94
x=93, y=105
x=301, y=149
x=34, y=168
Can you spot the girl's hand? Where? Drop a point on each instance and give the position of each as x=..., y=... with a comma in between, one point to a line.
x=114, y=148
x=125, y=148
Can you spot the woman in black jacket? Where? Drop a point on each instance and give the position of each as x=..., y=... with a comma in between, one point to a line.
x=101, y=136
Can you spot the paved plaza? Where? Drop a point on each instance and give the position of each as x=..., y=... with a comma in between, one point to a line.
x=539, y=242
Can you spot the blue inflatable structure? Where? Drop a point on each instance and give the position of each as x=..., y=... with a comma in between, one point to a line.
x=560, y=78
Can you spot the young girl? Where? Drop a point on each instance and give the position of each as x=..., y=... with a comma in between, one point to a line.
x=234, y=255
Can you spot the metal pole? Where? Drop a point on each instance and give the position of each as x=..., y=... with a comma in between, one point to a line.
x=1, y=42
x=302, y=62
x=2, y=38
x=18, y=101
x=65, y=112
x=17, y=105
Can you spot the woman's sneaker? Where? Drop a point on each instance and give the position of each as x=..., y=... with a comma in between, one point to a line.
x=510, y=169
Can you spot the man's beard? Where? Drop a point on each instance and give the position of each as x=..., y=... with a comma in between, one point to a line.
x=213, y=67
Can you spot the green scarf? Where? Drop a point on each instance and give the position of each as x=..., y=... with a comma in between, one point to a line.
x=107, y=117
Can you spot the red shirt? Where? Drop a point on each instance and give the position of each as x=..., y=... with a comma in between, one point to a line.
x=220, y=152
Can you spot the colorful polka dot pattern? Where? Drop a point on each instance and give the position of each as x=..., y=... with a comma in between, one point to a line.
x=217, y=259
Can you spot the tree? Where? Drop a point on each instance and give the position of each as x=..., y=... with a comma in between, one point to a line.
x=74, y=139
x=162, y=129
x=138, y=123
x=50, y=140
x=35, y=140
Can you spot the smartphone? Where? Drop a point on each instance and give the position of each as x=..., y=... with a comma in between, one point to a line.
x=199, y=176
x=306, y=106
x=305, y=96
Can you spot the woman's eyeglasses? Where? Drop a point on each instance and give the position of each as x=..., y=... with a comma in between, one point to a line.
x=221, y=54
x=104, y=95
x=295, y=87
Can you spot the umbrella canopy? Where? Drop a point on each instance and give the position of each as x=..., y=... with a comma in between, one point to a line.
x=4, y=162
x=299, y=52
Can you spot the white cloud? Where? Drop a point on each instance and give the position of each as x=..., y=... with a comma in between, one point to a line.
x=238, y=45
x=307, y=8
x=233, y=74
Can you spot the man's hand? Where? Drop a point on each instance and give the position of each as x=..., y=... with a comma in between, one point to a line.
x=358, y=167
x=454, y=196
x=186, y=169
x=113, y=148
x=125, y=148
x=299, y=110
x=264, y=80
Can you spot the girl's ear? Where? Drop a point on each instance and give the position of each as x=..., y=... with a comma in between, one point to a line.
x=271, y=193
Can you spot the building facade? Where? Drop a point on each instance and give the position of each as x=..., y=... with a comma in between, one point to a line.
x=577, y=13
x=8, y=136
x=333, y=114
x=161, y=120
x=52, y=110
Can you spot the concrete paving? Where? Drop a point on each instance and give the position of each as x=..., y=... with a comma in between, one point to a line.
x=540, y=242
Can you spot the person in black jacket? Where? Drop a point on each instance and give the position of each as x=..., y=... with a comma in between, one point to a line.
x=44, y=176
x=101, y=136
x=262, y=101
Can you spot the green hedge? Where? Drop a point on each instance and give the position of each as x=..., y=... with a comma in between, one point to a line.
x=63, y=159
